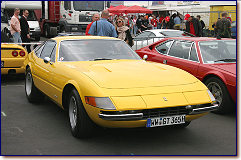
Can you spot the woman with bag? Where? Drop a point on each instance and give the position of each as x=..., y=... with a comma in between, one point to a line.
x=123, y=31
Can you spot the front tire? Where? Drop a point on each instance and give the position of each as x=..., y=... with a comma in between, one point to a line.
x=80, y=123
x=220, y=92
x=32, y=93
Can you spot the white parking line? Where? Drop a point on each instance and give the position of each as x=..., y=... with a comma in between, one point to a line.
x=4, y=114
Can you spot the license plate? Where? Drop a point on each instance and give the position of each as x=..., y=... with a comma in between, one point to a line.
x=164, y=121
x=30, y=33
x=2, y=64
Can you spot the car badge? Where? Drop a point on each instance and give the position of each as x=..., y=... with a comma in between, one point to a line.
x=165, y=99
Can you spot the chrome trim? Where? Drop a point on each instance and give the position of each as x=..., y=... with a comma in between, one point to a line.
x=172, y=41
x=121, y=117
x=204, y=109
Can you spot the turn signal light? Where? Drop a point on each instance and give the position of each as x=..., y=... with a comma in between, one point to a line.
x=22, y=53
x=14, y=53
x=90, y=101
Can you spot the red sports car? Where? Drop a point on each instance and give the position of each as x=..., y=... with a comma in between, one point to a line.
x=211, y=60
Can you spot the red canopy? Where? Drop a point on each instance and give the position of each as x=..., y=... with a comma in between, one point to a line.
x=135, y=9
x=116, y=9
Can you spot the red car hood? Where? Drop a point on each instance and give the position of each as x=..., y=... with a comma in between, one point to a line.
x=230, y=67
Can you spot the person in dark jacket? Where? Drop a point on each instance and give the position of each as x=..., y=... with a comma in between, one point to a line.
x=193, y=25
x=223, y=27
x=202, y=23
x=25, y=29
x=123, y=31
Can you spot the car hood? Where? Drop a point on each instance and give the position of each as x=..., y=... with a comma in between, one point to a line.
x=122, y=74
x=230, y=67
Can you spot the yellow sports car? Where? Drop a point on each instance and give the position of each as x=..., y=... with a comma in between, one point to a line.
x=12, y=58
x=101, y=81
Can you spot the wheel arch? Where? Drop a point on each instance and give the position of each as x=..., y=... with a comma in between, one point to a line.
x=67, y=89
x=210, y=75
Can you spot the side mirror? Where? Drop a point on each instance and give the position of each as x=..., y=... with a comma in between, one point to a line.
x=163, y=50
x=145, y=57
x=47, y=60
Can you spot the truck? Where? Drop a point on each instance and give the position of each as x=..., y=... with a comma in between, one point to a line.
x=68, y=16
x=7, y=11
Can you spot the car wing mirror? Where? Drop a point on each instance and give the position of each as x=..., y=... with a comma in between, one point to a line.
x=163, y=50
x=47, y=60
x=145, y=57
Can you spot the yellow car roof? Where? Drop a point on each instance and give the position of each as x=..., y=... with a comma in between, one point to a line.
x=60, y=38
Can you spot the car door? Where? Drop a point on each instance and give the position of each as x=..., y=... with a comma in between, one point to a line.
x=42, y=70
x=183, y=55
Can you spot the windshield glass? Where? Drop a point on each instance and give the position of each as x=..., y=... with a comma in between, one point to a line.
x=88, y=5
x=175, y=34
x=98, y=49
x=218, y=51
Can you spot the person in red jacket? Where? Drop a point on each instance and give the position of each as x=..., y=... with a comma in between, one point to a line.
x=95, y=17
x=154, y=22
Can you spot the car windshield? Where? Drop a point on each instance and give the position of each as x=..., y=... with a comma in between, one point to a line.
x=88, y=5
x=176, y=34
x=93, y=50
x=220, y=51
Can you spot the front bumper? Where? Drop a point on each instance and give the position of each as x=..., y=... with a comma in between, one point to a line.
x=153, y=113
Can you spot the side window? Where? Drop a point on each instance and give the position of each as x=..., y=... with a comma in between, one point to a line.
x=164, y=47
x=47, y=50
x=67, y=5
x=193, y=54
x=53, y=54
x=180, y=49
x=39, y=50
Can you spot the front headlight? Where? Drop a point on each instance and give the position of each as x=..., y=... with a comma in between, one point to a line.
x=211, y=96
x=100, y=102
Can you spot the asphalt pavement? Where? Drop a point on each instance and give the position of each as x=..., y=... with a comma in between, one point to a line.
x=43, y=129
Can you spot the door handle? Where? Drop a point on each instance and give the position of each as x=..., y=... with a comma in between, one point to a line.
x=164, y=61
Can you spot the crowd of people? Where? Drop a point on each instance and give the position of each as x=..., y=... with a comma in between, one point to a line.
x=194, y=25
x=125, y=27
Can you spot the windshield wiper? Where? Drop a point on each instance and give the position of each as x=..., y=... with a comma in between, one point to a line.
x=226, y=60
x=100, y=59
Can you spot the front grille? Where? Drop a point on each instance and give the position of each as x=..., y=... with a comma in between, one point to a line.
x=85, y=18
x=162, y=112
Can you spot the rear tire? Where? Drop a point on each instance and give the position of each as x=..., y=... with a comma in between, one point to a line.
x=32, y=93
x=220, y=92
x=80, y=123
